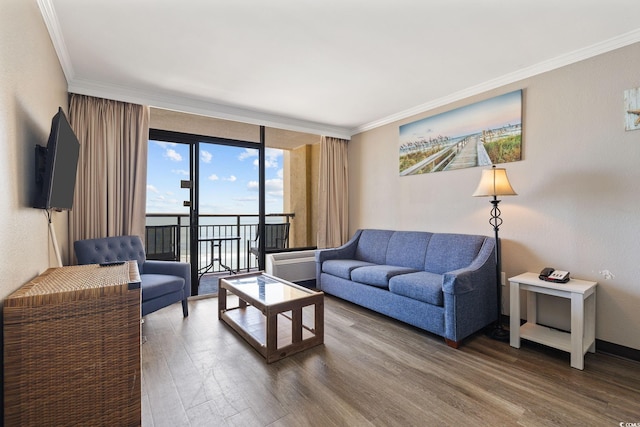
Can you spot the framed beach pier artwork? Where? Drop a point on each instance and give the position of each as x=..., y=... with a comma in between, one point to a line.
x=632, y=109
x=481, y=134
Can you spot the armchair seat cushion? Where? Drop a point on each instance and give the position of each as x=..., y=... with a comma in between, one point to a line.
x=157, y=285
x=422, y=286
x=343, y=267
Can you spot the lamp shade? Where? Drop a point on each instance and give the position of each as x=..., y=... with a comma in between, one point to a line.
x=494, y=182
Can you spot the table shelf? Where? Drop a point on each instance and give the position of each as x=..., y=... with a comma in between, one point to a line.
x=547, y=336
x=582, y=295
x=273, y=315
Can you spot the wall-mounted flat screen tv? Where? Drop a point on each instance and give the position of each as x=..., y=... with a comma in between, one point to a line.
x=56, y=166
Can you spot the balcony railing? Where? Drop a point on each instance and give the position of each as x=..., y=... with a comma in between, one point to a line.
x=167, y=238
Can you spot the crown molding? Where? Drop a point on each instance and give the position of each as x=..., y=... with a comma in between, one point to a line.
x=55, y=33
x=542, y=67
x=203, y=107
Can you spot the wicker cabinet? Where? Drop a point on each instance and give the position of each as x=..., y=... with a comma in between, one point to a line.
x=72, y=348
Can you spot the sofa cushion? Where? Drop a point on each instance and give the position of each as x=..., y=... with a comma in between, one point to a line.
x=156, y=285
x=408, y=249
x=448, y=252
x=342, y=267
x=378, y=275
x=372, y=246
x=422, y=286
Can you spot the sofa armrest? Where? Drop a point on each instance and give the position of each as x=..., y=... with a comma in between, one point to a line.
x=480, y=273
x=173, y=268
x=470, y=295
x=346, y=251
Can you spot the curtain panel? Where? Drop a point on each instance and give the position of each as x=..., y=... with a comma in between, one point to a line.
x=333, y=193
x=110, y=194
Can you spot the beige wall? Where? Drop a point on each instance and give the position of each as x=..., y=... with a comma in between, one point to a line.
x=32, y=86
x=578, y=203
x=301, y=179
x=202, y=125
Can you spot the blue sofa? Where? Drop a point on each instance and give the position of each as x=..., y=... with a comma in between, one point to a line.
x=162, y=282
x=442, y=283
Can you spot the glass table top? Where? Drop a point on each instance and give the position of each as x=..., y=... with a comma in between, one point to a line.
x=268, y=290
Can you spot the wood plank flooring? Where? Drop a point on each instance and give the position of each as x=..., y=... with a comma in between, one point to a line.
x=371, y=371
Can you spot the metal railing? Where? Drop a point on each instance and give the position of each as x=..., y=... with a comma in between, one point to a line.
x=167, y=237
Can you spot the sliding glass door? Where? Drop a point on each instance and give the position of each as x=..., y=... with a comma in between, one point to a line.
x=227, y=209
x=204, y=195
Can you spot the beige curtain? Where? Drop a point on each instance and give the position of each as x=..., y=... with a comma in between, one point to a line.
x=110, y=194
x=333, y=183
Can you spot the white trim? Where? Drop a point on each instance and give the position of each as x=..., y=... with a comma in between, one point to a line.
x=203, y=107
x=542, y=67
x=53, y=26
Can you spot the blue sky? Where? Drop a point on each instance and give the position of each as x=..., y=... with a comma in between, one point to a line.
x=228, y=179
x=488, y=114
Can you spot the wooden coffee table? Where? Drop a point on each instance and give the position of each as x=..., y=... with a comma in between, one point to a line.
x=278, y=318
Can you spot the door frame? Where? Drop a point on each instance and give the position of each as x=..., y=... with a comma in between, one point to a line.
x=194, y=168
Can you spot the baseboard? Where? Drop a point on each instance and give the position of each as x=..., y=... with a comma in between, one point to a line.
x=617, y=350
x=602, y=346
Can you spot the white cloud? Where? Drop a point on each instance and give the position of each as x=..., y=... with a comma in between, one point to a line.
x=152, y=189
x=206, y=156
x=172, y=154
x=231, y=178
x=270, y=163
x=180, y=172
x=213, y=177
x=271, y=157
x=164, y=144
x=247, y=153
x=273, y=187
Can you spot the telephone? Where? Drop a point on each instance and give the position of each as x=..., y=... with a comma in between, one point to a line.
x=551, y=275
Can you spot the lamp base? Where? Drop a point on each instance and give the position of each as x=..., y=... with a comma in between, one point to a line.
x=498, y=333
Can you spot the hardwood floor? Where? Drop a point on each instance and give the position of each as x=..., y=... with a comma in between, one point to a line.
x=371, y=371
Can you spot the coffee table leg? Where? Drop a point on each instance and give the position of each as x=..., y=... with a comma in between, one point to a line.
x=272, y=334
x=319, y=319
x=296, y=325
x=222, y=301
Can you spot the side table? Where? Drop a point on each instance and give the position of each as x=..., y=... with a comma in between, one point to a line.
x=582, y=294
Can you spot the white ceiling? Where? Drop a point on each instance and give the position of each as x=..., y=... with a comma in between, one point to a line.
x=332, y=67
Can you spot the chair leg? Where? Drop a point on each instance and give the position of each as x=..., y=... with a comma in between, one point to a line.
x=185, y=308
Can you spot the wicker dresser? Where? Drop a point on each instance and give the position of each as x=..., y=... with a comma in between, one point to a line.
x=72, y=348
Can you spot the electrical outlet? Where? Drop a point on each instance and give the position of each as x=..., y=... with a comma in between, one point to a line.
x=503, y=278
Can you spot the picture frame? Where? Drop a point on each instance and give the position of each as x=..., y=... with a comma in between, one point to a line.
x=480, y=134
x=632, y=109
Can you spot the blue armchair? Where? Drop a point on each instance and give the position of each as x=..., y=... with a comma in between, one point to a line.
x=163, y=282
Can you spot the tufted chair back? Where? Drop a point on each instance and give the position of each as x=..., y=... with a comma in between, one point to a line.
x=162, y=282
x=110, y=249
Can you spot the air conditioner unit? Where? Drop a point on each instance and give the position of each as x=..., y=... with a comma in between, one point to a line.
x=297, y=266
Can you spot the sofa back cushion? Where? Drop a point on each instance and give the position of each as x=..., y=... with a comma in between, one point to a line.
x=408, y=249
x=372, y=246
x=448, y=252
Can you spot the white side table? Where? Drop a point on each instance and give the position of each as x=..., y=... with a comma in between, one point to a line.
x=583, y=315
